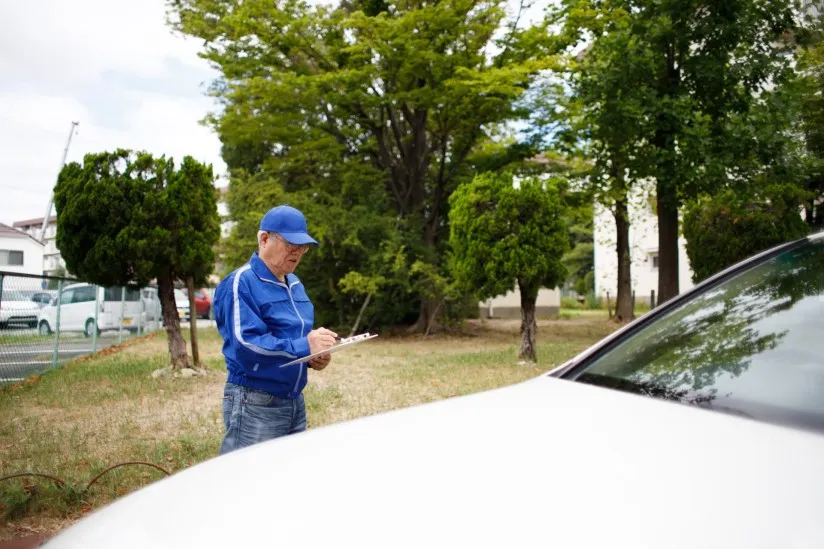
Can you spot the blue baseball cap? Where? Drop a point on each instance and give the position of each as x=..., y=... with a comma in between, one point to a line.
x=289, y=223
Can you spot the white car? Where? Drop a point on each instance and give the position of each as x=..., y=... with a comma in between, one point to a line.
x=701, y=424
x=151, y=304
x=17, y=310
x=116, y=307
x=182, y=304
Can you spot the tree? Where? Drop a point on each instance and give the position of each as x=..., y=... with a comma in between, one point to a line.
x=501, y=235
x=809, y=122
x=126, y=218
x=590, y=110
x=393, y=96
x=699, y=66
x=725, y=229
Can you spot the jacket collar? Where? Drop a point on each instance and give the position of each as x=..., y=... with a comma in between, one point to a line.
x=262, y=271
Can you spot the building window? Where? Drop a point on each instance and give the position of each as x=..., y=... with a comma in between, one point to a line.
x=11, y=257
x=653, y=259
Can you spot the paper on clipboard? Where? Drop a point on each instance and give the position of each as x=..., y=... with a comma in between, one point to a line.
x=344, y=342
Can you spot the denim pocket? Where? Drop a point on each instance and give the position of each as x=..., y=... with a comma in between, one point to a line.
x=259, y=398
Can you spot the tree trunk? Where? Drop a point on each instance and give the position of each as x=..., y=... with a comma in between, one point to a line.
x=190, y=284
x=529, y=328
x=360, y=315
x=425, y=316
x=623, y=306
x=667, y=243
x=433, y=317
x=177, y=345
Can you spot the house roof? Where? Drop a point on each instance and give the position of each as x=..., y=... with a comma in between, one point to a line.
x=38, y=221
x=11, y=232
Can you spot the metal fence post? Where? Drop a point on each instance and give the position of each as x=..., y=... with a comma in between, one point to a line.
x=56, y=354
x=122, y=313
x=142, y=312
x=1, y=290
x=96, y=317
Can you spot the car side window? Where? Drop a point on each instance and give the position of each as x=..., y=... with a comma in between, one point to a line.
x=84, y=294
x=67, y=297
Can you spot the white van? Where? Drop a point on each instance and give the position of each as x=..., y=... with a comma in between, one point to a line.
x=77, y=310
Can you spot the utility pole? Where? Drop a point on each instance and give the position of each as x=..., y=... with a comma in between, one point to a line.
x=51, y=195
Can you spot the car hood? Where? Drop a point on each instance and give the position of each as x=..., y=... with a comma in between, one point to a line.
x=540, y=464
x=19, y=306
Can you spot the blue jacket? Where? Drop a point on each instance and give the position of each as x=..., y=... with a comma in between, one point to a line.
x=264, y=324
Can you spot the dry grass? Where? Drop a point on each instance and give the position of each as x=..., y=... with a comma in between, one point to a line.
x=76, y=421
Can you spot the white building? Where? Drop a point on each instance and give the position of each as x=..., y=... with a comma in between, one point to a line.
x=547, y=305
x=643, y=243
x=226, y=224
x=52, y=260
x=19, y=252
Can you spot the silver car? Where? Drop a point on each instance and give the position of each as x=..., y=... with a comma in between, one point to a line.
x=699, y=425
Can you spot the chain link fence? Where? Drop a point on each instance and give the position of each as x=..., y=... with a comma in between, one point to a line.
x=47, y=321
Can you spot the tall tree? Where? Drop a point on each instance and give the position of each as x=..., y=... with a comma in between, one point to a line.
x=126, y=219
x=502, y=235
x=700, y=65
x=601, y=118
x=809, y=95
x=399, y=92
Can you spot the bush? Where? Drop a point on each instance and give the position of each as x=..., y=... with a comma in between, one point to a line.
x=725, y=229
x=570, y=303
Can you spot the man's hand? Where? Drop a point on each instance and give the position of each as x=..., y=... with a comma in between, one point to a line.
x=320, y=340
x=320, y=362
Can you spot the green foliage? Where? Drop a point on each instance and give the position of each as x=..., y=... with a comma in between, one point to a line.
x=807, y=98
x=501, y=235
x=371, y=111
x=673, y=92
x=586, y=284
x=32, y=495
x=725, y=229
x=124, y=218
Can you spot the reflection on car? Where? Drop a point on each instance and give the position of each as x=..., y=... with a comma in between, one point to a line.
x=750, y=345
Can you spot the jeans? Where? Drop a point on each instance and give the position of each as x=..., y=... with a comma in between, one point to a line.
x=251, y=416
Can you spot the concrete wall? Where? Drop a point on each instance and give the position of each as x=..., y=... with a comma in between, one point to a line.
x=547, y=305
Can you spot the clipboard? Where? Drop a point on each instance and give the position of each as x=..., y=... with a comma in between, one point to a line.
x=344, y=342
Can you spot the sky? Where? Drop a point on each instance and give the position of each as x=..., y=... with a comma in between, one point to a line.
x=116, y=68
x=112, y=65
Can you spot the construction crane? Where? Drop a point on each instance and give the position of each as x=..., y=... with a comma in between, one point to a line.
x=51, y=195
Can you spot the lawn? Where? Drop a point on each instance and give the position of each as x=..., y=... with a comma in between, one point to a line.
x=74, y=422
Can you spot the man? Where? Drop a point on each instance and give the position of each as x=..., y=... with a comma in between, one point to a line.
x=265, y=318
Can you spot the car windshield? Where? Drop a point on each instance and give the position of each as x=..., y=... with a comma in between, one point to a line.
x=180, y=296
x=752, y=345
x=13, y=295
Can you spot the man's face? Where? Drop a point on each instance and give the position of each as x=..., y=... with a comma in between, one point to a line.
x=282, y=257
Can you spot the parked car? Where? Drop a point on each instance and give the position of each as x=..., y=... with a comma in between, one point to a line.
x=182, y=304
x=203, y=302
x=700, y=424
x=16, y=309
x=77, y=310
x=41, y=297
x=151, y=304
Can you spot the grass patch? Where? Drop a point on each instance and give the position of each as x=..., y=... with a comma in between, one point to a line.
x=76, y=421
